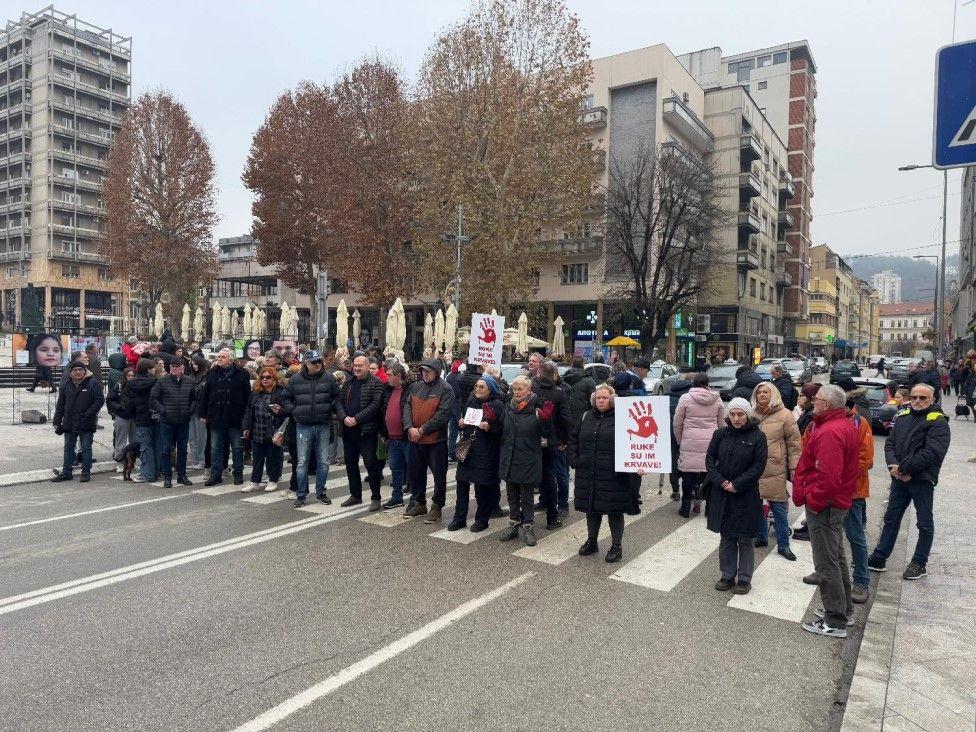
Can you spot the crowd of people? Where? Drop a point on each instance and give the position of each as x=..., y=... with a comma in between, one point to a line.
x=744, y=460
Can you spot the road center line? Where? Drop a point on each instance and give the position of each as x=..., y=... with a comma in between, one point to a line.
x=88, y=513
x=288, y=707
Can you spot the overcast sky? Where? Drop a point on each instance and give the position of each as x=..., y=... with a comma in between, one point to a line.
x=228, y=61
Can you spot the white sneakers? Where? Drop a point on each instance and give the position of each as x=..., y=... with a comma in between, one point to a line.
x=271, y=487
x=250, y=488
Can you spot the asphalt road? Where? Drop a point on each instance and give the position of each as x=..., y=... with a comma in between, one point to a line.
x=205, y=612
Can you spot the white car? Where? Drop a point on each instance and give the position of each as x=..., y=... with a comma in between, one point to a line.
x=660, y=377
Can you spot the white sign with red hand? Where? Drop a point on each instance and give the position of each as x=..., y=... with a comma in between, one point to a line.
x=487, y=333
x=642, y=434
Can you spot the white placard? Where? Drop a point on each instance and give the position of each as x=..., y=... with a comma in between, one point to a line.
x=473, y=416
x=642, y=434
x=487, y=334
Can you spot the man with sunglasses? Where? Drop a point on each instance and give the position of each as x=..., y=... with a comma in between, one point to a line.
x=914, y=452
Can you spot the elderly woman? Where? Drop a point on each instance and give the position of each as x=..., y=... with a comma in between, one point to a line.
x=735, y=459
x=783, y=449
x=260, y=425
x=599, y=489
x=520, y=458
x=480, y=465
x=199, y=455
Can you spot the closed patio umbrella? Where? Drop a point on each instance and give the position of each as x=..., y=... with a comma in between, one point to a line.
x=185, y=323
x=198, y=324
x=450, y=328
x=522, y=342
x=558, y=338
x=342, y=325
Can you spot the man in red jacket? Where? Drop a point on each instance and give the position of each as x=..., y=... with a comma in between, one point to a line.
x=824, y=482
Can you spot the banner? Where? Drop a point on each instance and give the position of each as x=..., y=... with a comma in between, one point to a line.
x=487, y=334
x=642, y=434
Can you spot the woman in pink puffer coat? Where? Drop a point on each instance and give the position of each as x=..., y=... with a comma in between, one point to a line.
x=699, y=414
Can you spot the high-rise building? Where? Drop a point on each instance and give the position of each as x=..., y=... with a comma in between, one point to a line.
x=64, y=84
x=888, y=285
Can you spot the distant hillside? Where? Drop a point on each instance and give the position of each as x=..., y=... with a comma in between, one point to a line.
x=917, y=275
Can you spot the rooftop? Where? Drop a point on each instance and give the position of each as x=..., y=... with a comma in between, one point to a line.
x=905, y=308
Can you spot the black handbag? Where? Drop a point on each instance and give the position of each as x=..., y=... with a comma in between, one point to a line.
x=704, y=489
x=463, y=448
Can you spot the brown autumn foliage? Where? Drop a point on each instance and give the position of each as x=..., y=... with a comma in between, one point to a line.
x=160, y=202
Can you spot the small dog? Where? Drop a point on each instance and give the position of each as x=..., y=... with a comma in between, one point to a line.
x=129, y=460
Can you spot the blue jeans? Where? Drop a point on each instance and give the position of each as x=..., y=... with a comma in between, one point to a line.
x=336, y=448
x=71, y=439
x=562, y=482
x=266, y=455
x=169, y=435
x=308, y=436
x=148, y=438
x=780, y=511
x=232, y=435
x=854, y=523
x=921, y=494
x=397, y=455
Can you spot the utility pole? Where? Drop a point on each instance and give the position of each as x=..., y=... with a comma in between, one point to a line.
x=940, y=293
x=459, y=241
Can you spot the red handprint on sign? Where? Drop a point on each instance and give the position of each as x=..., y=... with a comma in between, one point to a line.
x=487, y=330
x=641, y=412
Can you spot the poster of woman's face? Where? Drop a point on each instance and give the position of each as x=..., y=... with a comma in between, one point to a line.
x=48, y=349
x=253, y=350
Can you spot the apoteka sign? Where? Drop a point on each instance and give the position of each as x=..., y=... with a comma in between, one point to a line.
x=642, y=433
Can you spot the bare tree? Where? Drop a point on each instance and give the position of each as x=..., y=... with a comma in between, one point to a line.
x=663, y=218
x=160, y=202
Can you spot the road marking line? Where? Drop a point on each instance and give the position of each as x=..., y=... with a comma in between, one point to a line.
x=467, y=536
x=85, y=584
x=217, y=490
x=777, y=586
x=393, y=517
x=294, y=704
x=672, y=559
x=266, y=498
x=562, y=544
x=88, y=513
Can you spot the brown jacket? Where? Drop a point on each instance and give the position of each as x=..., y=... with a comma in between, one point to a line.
x=784, y=447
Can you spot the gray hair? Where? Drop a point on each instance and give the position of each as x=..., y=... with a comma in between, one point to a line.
x=929, y=387
x=602, y=387
x=522, y=379
x=493, y=371
x=776, y=369
x=833, y=395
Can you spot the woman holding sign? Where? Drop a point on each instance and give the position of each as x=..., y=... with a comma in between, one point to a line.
x=599, y=489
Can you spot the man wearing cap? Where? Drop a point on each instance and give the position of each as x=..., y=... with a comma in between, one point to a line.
x=311, y=397
x=640, y=371
x=173, y=398
x=425, y=416
x=76, y=417
x=784, y=382
x=224, y=396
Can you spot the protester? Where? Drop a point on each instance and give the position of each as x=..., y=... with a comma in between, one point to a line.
x=132, y=355
x=782, y=454
x=116, y=364
x=678, y=389
x=914, y=452
x=260, y=425
x=480, y=465
x=534, y=365
x=855, y=523
x=580, y=386
x=735, y=459
x=804, y=405
x=147, y=429
x=391, y=428
x=824, y=482
x=784, y=383
x=857, y=394
x=362, y=398
x=426, y=413
x=76, y=417
x=745, y=381
x=173, y=398
x=337, y=450
x=496, y=373
x=197, y=444
x=120, y=410
x=638, y=373
x=698, y=414
x=223, y=400
x=555, y=438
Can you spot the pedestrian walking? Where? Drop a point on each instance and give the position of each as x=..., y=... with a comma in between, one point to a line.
x=599, y=489
x=824, y=482
x=678, y=389
x=914, y=452
x=735, y=460
x=147, y=427
x=698, y=414
x=174, y=398
x=362, y=398
x=392, y=430
x=76, y=418
x=260, y=424
x=222, y=403
x=426, y=413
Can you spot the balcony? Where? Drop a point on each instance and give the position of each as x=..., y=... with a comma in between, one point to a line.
x=15, y=256
x=594, y=117
x=745, y=259
x=18, y=182
x=749, y=221
x=749, y=185
x=750, y=147
x=73, y=157
x=785, y=220
x=15, y=134
x=108, y=68
x=15, y=207
x=88, y=185
x=87, y=208
x=87, y=112
x=586, y=245
x=13, y=109
x=784, y=279
x=17, y=231
x=786, y=188
x=12, y=159
x=77, y=256
x=785, y=248
x=680, y=116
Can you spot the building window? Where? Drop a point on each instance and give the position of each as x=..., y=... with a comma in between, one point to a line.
x=763, y=85
x=781, y=57
x=764, y=61
x=104, y=275
x=752, y=287
x=575, y=274
x=762, y=290
x=70, y=270
x=588, y=101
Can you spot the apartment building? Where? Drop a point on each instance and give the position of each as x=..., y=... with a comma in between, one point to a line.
x=903, y=327
x=868, y=326
x=64, y=83
x=840, y=307
x=888, y=285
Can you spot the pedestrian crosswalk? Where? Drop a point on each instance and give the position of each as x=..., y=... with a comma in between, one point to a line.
x=670, y=560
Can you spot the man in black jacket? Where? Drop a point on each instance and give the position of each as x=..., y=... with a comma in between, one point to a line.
x=223, y=399
x=362, y=398
x=546, y=389
x=311, y=397
x=746, y=380
x=76, y=417
x=173, y=398
x=784, y=382
x=914, y=452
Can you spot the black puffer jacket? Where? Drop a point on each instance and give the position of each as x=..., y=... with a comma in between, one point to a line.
x=786, y=390
x=744, y=385
x=311, y=400
x=737, y=456
x=371, y=398
x=581, y=385
x=556, y=430
x=481, y=465
x=520, y=458
x=918, y=443
x=597, y=486
x=174, y=400
x=118, y=403
x=116, y=364
x=137, y=392
x=224, y=396
x=78, y=406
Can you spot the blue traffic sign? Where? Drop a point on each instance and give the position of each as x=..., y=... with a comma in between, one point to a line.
x=954, y=130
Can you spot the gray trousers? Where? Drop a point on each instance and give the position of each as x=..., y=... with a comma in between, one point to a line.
x=124, y=433
x=736, y=557
x=197, y=449
x=827, y=542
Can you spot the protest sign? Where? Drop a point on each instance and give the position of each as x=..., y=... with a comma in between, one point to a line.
x=642, y=434
x=487, y=334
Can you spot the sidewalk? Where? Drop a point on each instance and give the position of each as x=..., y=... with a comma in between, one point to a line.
x=917, y=664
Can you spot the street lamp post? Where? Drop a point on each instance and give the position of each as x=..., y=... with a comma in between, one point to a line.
x=935, y=295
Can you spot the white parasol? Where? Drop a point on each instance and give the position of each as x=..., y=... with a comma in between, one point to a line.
x=400, y=332
x=342, y=325
x=234, y=322
x=428, y=336
x=198, y=324
x=224, y=321
x=357, y=327
x=450, y=329
x=439, y=331
x=390, y=329
x=185, y=324
x=248, y=321
x=558, y=338
x=283, y=320
x=215, y=322
x=522, y=342
x=158, y=322
x=257, y=323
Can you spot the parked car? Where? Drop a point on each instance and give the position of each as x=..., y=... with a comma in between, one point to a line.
x=721, y=378
x=844, y=368
x=765, y=370
x=881, y=395
x=899, y=369
x=817, y=364
x=599, y=371
x=798, y=370
x=660, y=377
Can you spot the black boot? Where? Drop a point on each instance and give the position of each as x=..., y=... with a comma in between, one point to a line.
x=685, y=510
x=614, y=554
x=589, y=547
x=61, y=477
x=238, y=478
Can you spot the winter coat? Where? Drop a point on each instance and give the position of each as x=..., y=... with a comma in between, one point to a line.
x=481, y=465
x=699, y=414
x=116, y=365
x=429, y=406
x=465, y=385
x=745, y=384
x=224, y=397
x=786, y=390
x=918, y=443
x=95, y=366
x=805, y=419
x=167, y=350
x=826, y=475
x=387, y=394
x=859, y=398
x=865, y=454
x=131, y=357
x=783, y=450
x=597, y=486
x=453, y=380
x=520, y=458
x=968, y=378
x=581, y=386
x=78, y=406
x=678, y=389
x=174, y=400
x=259, y=420
x=312, y=400
x=556, y=430
x=136, y=392
x=737, y=455
x=925, y=376
x=371, y=398
x=118, y=403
